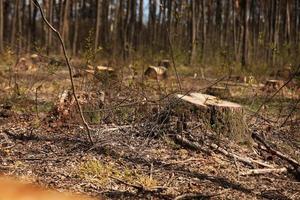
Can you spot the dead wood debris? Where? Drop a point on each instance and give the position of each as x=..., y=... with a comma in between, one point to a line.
x=264, y=171
x=291, y=161
x=246, y=160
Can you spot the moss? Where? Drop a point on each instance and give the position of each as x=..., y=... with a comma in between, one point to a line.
x=101, y=173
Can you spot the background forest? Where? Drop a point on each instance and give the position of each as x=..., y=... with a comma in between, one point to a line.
x=252, y=34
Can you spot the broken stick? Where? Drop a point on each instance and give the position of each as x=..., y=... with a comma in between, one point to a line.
x=264, y=171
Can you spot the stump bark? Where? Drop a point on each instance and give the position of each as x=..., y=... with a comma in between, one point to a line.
x=224, y=117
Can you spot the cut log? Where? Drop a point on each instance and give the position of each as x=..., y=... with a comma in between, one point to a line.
x=154, y=72
x=224, y=117
x=221, y=92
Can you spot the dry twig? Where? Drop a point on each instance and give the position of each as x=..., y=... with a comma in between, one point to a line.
x=264, y=171
x=88, y=129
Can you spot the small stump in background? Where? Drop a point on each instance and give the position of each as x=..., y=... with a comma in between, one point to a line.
x=65, y=108
x=272, y=86
x=224, y=117
x=158, y=72
x=105, y=74
x=164, y=63
x=218, y=91
x=237, y=79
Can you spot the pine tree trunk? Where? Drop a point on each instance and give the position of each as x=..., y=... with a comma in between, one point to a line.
x=244, y=61
x=50, y=18
x=140, y=24
x=76, y=28
x=234, y=30
x=1, y=27
x=14, y=24
x=65, y=28
x=203, y=32
x=98, y=23
x=193, y=33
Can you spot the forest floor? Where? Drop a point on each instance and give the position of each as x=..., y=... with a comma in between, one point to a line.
x=132, y=156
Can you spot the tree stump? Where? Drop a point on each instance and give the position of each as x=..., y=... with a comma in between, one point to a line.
x=105, y=74
x=155, y=72
x=65, y=109
x=237, y=79
x=272, y=86
x=221, y=92
x=224, y=117
x=164, y=63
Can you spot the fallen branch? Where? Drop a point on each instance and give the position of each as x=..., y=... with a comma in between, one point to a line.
x=264, y=171
x=197, y=146
x=88, y=129
x=243, y=159
x=281, y=155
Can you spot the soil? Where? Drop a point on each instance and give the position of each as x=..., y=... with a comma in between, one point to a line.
x=129, y=138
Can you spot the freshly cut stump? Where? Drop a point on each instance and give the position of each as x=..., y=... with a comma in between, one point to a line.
x=224, y=117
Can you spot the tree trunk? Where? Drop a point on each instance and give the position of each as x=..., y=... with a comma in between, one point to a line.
x=45, y=27
x=76, y=29
x=140, y=25
x=65, y=26
x=19, y=35
x=14, y=23
x=193, y=33
x=49, y=32
x=234, y=24
x=288, y=22
x=33, y=20
x=104, y=23
x=1, y=27
x=244, y=61
x=169, y=24
x=98, y=23
x=203, y=32
x=132, y=26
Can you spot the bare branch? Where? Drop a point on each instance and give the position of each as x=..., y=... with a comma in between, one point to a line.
x=88, y=129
